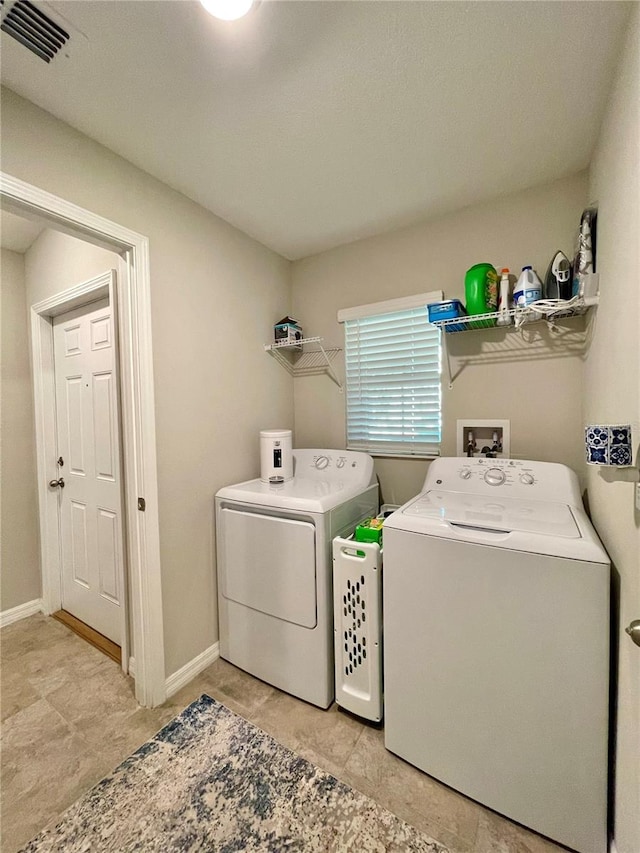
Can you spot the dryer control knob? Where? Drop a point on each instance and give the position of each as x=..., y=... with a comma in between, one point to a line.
x=527, y=479
x=465, y=473
x=321, y=462
x=494, y=477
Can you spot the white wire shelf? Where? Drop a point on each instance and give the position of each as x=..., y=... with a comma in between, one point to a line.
x=305, y=362
x=545, y=310
x=292, y=344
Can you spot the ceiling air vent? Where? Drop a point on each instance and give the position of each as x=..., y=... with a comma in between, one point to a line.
x=32, y=28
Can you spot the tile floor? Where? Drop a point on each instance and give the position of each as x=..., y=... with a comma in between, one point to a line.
x=69, y=717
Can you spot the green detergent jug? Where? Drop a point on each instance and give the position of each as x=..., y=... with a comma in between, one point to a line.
x=481, y=293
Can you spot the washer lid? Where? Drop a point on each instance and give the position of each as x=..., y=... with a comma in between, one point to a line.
x=486, y=512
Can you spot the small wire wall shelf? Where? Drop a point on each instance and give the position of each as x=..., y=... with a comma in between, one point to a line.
x=300, y=361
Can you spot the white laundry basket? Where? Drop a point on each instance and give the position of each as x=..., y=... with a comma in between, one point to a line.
x=357, y=608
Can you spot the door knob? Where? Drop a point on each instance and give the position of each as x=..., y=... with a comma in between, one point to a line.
x=57, y=483
x=633, y=630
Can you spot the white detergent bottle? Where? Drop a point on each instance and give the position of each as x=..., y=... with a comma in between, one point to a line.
x=528, y=289
x=504, y=318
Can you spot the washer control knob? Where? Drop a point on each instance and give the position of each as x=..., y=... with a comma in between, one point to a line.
x=322, y=462
x=494, y=477
x=340, y=462
x=465, y=473
x=527, y=479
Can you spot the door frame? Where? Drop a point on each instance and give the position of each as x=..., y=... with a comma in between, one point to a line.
x=142, y=531
x=47, y=445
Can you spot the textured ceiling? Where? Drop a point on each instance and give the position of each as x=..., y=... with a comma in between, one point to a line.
x=310, y=124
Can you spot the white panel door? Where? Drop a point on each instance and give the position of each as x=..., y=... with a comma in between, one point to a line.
x=89, y=446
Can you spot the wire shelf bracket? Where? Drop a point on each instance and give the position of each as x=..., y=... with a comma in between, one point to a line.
x=307, y=362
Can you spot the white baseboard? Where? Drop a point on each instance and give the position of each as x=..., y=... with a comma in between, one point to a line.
x=14, y=614
x=185, y=674
x=189, y=671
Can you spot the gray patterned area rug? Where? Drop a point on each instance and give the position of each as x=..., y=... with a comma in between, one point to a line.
x=211, y=781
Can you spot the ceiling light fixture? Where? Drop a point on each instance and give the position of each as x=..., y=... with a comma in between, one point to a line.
x=228, y=10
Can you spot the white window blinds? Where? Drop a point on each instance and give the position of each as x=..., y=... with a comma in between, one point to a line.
x=393, y=367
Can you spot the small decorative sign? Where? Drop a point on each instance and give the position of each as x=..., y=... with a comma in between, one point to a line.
x=608, y=444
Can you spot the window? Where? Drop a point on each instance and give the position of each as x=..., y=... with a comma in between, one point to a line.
x=393, y=367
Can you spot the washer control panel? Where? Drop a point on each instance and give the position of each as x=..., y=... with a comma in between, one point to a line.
x=516, y=477
x=497, y=472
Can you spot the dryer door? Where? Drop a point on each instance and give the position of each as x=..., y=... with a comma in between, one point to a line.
x=269, y=564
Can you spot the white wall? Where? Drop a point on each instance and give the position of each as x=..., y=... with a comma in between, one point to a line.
x=19, y=533
x=215, y=296
x=55, y=262
x=612, y=395
x=537, y=387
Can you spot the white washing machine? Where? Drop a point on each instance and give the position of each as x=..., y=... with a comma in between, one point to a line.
x=496, y=654
x=275, y=567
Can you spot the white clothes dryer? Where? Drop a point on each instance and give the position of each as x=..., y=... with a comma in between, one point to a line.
x=496, y=653
x=275, y=567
